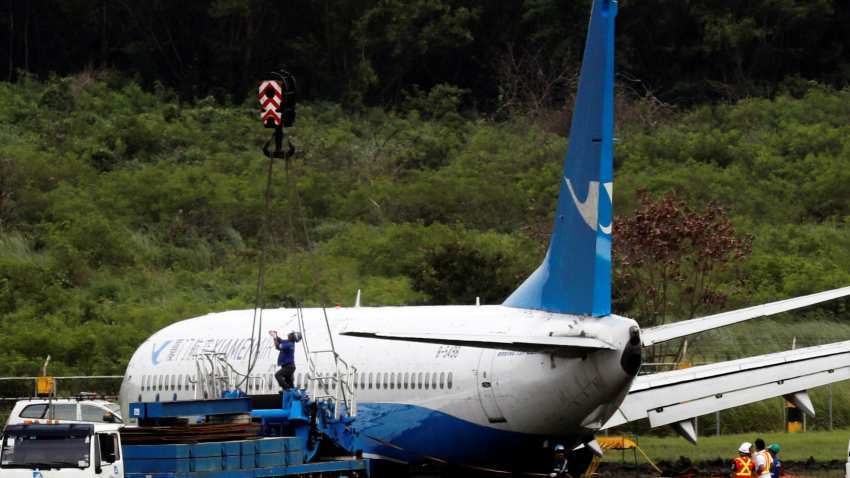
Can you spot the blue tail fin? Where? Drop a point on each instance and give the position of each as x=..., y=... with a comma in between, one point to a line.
x=575, y=276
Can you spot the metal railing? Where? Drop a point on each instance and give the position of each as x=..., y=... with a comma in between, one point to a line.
x=214, y=375
x=337, y=386
x=16, y=388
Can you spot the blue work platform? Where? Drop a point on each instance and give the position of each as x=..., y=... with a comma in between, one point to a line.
x=288, y=443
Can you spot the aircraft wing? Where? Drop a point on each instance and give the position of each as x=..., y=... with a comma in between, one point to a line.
x=554, y=344
x=663, y=333
x=677, y=396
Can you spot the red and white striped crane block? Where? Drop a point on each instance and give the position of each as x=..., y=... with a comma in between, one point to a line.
x=271, y=99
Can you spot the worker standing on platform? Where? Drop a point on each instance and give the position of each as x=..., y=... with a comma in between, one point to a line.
x=776, y=469
x=764, y=460
x=742, y=466
x=286, y=358
x=559, y=466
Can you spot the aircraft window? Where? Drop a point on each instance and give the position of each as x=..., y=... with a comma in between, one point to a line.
x=392, y=380
x=419, y=380
x=179, y=382
x=269, y=381
x=406, y=379
x=173, y=382
x=434, y=380
x=362, y=380
x=333, y=381
x=159, y=382
x=298, y=380
x=187, y=383
x=427, y=380
x=442, y=379
x=449, y=383
x=398, y=381
x=370, y=380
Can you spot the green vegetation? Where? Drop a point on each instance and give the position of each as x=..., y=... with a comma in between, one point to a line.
x=369, y=52
x=824, y=446
x=123, y=210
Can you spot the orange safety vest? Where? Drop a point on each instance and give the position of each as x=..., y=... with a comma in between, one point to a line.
x=744, y=466
x=768, y=462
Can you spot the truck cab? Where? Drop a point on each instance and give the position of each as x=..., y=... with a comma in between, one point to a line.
x=63, y=450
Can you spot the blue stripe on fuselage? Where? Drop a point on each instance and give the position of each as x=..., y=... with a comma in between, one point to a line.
x=414, y=434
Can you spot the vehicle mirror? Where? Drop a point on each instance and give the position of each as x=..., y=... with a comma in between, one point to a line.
x=108, y=417
x=96, y=456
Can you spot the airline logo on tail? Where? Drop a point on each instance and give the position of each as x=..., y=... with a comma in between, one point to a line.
x=588, y=209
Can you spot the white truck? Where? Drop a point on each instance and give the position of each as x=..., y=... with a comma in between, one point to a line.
x=64, y=450
x=96, y=450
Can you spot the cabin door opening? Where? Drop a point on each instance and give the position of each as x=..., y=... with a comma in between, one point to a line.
x=486, y=385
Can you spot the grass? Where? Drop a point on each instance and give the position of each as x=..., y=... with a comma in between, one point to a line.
x=822, y=445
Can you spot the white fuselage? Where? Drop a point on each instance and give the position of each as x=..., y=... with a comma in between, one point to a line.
x=423, y=399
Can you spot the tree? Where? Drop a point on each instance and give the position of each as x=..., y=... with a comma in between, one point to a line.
x=671, y=262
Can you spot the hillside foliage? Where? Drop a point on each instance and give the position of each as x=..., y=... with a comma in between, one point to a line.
x=369, y=52
x=123, y=210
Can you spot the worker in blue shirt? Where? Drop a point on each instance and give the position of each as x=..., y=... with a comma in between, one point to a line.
x=285, y=358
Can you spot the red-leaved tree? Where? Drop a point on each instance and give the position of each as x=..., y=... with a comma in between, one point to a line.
x=672, y=262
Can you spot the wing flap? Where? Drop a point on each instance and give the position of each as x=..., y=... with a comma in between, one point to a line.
x=663, y=333
x=670, y=397
x=554, y=344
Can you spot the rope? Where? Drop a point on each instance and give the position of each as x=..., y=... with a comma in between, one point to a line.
x=259, y=299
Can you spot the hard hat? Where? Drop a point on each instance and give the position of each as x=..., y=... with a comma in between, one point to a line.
x=774, y=447
x=745, y=447
x=559, y=448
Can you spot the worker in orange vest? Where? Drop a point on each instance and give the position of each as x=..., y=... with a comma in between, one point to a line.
x=763, y=459
x=742, y=466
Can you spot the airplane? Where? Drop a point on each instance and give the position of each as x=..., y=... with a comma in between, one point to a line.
x=496, y=386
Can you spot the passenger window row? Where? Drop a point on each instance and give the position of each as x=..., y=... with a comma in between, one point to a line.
x=404, y=380
x=166, y=382
x=173, y=382
x=387, y=381
x=363, y=381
